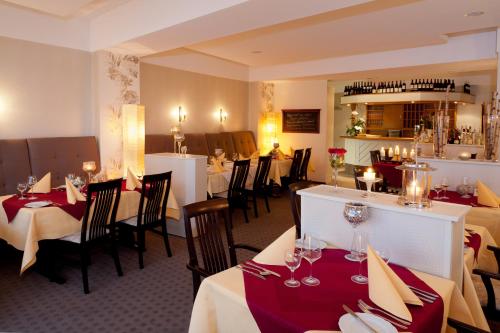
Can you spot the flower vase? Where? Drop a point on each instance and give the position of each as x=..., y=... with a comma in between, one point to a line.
x=335, y=175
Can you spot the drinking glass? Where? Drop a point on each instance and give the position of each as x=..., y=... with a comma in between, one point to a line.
x=466, y=187
x=184, y=150
x=31, y=182
x=179, y=138
x=384, y=253
x=437, y=189
x=21, y=187
x=444, y=185
x=311, y=251
x=355, y=213
x=292, y=261
x=359, y=247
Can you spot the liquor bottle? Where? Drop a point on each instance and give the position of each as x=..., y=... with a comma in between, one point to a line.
x=403, y=87
x=419, y=85
x=453, y=86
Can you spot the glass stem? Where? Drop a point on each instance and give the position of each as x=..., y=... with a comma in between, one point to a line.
x=292, y=275
x=311, y=270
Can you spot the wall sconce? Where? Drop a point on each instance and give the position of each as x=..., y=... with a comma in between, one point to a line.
x=133, y=137
x=222, y=116
x=181, y=115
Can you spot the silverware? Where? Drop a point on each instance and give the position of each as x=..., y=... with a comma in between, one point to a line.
x=250, y=272
x=263, y=273
x=428, y=294
x=352, y=313
x=365, y=310
x=368, y=307
x=249, y=263
x=423, y=296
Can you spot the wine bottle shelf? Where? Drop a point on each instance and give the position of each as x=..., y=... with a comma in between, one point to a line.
x=408, y=97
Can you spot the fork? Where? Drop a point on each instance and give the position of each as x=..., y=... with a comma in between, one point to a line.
x=393, y=322
x=368, y=307
x=263, y=273
x=249, y=272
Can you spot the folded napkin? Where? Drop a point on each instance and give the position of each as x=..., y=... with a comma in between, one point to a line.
x=485, y=196
x=72, y=194
x=216, y=165
x=43, y=185
x=221, y=157
x=387, y=290
x=255, y=155
x=132, y=181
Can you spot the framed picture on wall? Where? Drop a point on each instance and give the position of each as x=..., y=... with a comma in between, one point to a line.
x=300, y=120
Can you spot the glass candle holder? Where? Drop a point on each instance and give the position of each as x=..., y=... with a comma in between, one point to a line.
x=415, y=185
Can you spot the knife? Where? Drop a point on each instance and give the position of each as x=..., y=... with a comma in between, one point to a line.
x=250, y=272
x=352, y=313
x=262, y=268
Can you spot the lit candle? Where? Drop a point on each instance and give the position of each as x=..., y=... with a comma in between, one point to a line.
x=412, y=154
x=405, y=153
x=391, y=152
x=414, y=192
x=369, y=174
x=382, y=152
x=396, y=150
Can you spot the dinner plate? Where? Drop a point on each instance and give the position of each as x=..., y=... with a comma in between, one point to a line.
x=38, y=204
x=349, y=324
x=298, y=243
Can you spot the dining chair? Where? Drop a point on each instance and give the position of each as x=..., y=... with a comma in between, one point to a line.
x=295, y=202
x=378, y=187
x=209, y=243
x=236, y=193
x=295, y=167
x=260, y=186
x=305, y=164
x=375, y=156
x=490, y=310
x=461, y=327
x=152, y=211
x=98, y=224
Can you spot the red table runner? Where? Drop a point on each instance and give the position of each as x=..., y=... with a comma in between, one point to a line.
x=393, y=176
x=277, y=308
x=12, y=205
x=456, y=198
x=474, y=242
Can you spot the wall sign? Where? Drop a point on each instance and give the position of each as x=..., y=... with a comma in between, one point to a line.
x=300, y=120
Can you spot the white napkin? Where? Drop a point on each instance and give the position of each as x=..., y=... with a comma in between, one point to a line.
x=132, y=181
x=43, y=185
x=72, y=194
x=486, y=196
x=221, y=157
x=387, y=290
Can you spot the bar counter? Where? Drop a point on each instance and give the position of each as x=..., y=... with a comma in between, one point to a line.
x=359, y=147
x=378, y=138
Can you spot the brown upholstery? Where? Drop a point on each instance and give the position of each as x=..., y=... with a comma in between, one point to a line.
x=14, y=164
x=196, y=143
x=244, y=142
x=159, y=143
x=222, y=140
x=62, y=156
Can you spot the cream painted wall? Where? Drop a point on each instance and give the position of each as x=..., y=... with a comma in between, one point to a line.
x=201, y=96
x=305, y=95
x=44, y=90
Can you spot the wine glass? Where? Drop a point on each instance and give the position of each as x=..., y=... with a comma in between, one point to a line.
x=21, y=187
x=360, y=245
x=355, y=213
x=179, y=138
x=311, y=251
x=384, y=253
x=466, y=187
x=437, y=189
x=444, y=185
x=292, y=261
x=31, y=183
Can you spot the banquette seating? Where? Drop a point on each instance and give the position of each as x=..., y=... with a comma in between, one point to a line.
x=23, y=157
x=242, y=142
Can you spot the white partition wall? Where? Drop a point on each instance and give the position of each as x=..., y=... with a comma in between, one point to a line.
x=189, y=181
x=428, y=240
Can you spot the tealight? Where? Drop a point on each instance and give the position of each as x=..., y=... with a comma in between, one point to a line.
x=369, y=174
x=382, y=152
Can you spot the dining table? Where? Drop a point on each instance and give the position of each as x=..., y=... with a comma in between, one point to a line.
x=233, y=300
x=24, y=227
x=218, y=181
x=388, y=170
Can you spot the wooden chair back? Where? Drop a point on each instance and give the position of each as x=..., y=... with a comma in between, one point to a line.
x=295, y=202
x=305, y=164
x=295, y=167
x=207, y=216
x=262, y=173
x=155, y=191
x=100, y=212
x=238, y=179
x=375, y=156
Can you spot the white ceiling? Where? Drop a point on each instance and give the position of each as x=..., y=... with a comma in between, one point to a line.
x=66, y=8
x=366, y=28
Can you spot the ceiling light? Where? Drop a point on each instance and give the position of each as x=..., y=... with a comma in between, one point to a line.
x=474, y=13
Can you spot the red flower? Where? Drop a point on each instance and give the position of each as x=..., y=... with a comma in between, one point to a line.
x=337, y=151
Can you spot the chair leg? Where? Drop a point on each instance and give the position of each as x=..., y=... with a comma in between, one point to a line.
x=491, y=304
x=254, y=199
x=83, y=263
x=196, y=284
x=267, y=203
x=244, y=207
x=116, y=258
x=141, y=240
x=165, y=238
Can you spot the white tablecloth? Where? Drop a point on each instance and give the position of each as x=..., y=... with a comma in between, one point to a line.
x=34, y=224
x=220, y=305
